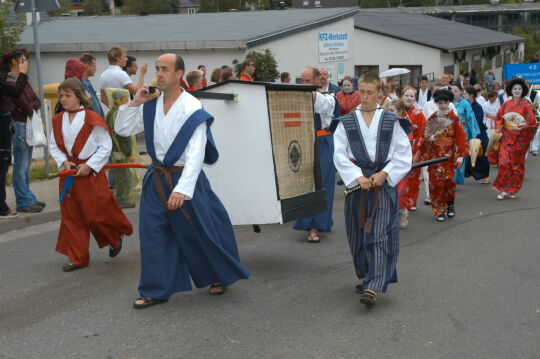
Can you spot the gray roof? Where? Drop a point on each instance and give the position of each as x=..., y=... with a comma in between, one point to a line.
x=461, y=9
x=179, y=31
x=431, y=31
x=189, y=3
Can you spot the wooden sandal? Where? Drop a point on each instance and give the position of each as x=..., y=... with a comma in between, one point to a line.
x=311, y=238
x=369, y=297
x=148, y=302
x=220, y=289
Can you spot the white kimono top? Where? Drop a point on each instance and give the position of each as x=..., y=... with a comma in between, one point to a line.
x=97, y=149
x=324, y=105
x=399, y=156
x=129, y=121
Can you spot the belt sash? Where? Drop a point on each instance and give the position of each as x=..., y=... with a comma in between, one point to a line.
x=165, y=172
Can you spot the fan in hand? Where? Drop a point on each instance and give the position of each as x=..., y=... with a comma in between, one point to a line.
x=435, y=124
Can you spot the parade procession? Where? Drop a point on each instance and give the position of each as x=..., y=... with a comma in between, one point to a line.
x=292, y=180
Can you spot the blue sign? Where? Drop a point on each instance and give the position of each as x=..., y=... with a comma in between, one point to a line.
x=530, y=72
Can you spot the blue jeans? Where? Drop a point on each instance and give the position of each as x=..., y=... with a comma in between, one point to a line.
x=22, y=154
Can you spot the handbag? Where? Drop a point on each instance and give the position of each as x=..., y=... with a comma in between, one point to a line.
x=35, y=136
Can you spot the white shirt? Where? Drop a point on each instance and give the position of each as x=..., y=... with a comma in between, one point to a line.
x=481, y=100
x=431, y=107
x=324, y=106
x=490, y=109
x=97, y=148
x=129, y=121
x=114, y=77
x=422, y=97
x=399, y=156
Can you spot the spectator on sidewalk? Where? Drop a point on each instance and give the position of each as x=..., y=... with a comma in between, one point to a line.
x=327, y=86
x=248, y=70
x=74, y=68
x=203, y=69
x=216, y=75
x=7, y=90
x=90, y=68
x=25, y=105
x=131, y=69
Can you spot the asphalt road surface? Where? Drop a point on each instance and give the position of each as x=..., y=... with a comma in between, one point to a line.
x=468, y=288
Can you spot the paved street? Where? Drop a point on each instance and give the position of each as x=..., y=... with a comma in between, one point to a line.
x=468, y=288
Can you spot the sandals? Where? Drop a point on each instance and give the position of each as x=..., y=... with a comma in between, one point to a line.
x=148, y=302
x=359, y=288
x=221, y=289
x=113, y=252
x=70, y=267
x=501, y=196
x=313, y=238
x=369, y=297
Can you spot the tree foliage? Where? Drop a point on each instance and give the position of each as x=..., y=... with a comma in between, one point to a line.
x=65, y=8
x=239, y=5
x=266, y=65
x=137, y=7
x=11, y=26
x=532, y=45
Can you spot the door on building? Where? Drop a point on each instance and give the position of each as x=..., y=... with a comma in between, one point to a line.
x=410, y=79
x=362, y=69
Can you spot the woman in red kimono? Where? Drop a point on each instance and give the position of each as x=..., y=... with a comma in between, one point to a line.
x=515, y=121
x=444, y=136
x=80, y=140
x=348, y=98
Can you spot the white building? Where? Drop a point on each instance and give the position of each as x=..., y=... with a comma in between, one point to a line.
x=344, y=40
x=212, y=39
x=430, y=45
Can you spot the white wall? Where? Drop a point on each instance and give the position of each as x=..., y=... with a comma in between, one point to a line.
x=375, y=49
x=54, y=63
x=294, y=52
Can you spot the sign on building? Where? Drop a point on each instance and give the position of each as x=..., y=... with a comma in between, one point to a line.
x=333, y=46
x=530, y=72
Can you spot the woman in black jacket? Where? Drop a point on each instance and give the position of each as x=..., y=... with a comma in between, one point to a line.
x=8, y=90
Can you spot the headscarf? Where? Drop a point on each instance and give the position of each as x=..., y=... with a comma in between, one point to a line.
x=74, y=68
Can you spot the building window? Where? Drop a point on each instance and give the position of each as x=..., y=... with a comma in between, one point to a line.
x=306, y=3
x=317, y=2
x=507, y=56
x=362, y=69
x=498, y=61
x=449, y=69
x=476, y=63
x=464, y=66
x=191, y=10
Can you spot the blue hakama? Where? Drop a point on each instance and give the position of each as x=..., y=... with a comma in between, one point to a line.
x=196, y=243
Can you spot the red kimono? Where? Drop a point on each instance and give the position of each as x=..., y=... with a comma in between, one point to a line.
x=90, y=207
x=409, y=187
x=348, y=102
x=513, y=147
x=442, y=188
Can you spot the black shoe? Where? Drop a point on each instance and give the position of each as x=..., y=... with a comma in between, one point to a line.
x=340, y=182
x=32, y=209
x=113, y=252
x=451, y=212
x=441, y=218
x=427, y=201
x=148, y=302
x=70, y=267
x=41, y=204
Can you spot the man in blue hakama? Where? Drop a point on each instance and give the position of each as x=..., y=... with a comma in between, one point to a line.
x=372, y=151
x=185, y=232
x=326, y=108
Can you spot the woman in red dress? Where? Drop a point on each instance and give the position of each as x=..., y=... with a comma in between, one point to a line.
x=348, y=98
x=515, y=121
x=444, y=136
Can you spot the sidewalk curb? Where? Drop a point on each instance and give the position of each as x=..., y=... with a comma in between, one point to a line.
x=22, y=222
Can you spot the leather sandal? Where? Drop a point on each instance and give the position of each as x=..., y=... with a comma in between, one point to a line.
x=313, y=238
x=113, y=252
x=70, y=267
x=369, y=297
x=148, y=302
x=220, y=289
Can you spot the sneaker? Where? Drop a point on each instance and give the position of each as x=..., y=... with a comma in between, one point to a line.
x=11, y=214
x=32, y=209
x=451, y=212
x=427, y=201
x=403, y=218
x=441, y=218
x=534, y=153
x=512, y=196
x=413, y=208
x=41, y=204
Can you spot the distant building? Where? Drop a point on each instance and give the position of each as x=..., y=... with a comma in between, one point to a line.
x=189, y=6
x=500, y=17
x=305, y=4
